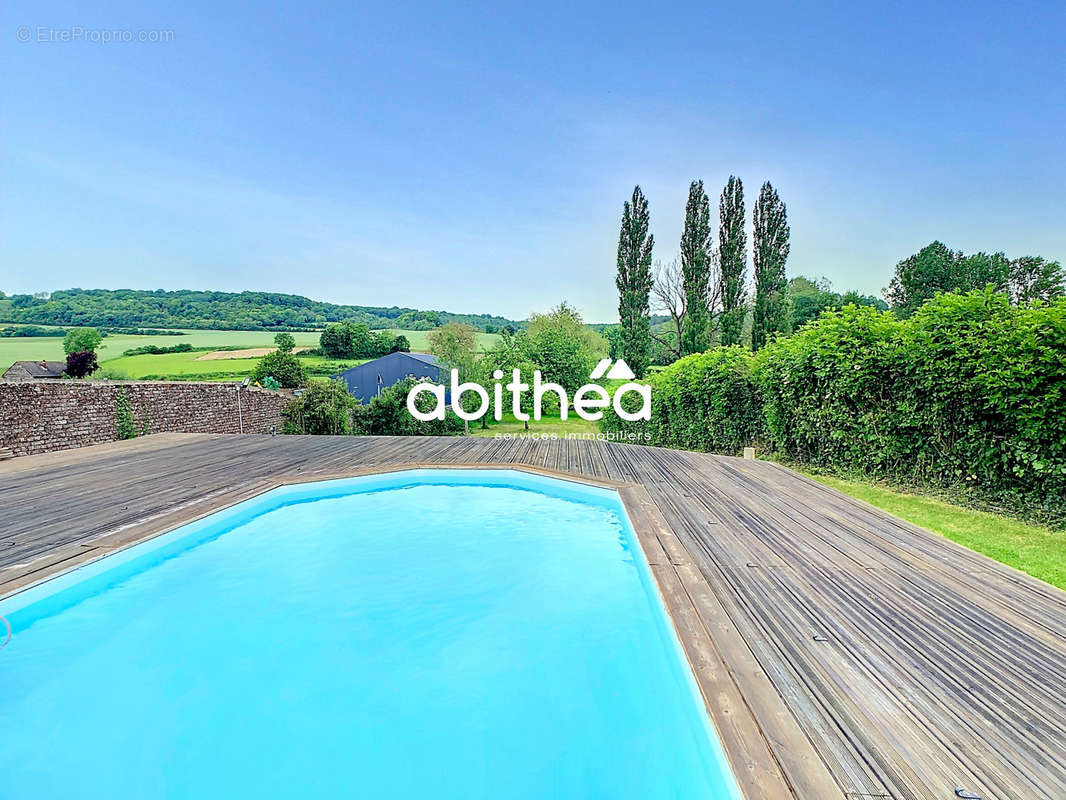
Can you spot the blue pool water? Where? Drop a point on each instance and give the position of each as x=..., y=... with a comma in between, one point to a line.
x=427, y=634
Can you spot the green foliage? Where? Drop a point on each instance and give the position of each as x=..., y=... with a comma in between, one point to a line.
x=356, y=340
x=770, y=249
x=705, y=401
x=561, y=346
x=969, y=395
x=400, y=344
x=324, y=408
x=455, y=345
x=283, y=366
x=126, y=308
x=634, y=281
x=82, y=339
x=156, y=350
x=936, y=268
x=387, y=414
x=285, y=342
x=696, y=270
x=808, y=298
x=125, y=426
x=613, y=335
x=29, y=331
x=732, y=259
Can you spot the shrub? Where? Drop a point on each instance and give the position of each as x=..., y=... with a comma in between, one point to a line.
x=283, y=367
x=967, y=395
x=285, y=342
x=79, y=339
x=705, y=401
x=81, y=363
x=387, y=415
x=325, y=408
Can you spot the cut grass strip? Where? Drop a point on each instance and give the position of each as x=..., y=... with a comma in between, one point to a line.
x=1033, y=549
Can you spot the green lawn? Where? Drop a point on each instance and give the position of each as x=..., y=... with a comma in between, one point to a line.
x=548, y=424
x=1034, y=549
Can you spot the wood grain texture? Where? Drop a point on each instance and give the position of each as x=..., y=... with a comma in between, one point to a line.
x=842, y=652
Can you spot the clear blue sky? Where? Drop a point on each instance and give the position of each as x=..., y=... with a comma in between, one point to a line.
x=475, y=158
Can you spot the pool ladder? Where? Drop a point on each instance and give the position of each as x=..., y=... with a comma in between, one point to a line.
x=8, y=637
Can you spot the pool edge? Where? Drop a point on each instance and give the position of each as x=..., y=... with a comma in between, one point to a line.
x=677, y=579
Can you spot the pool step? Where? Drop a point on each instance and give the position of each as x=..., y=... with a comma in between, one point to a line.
x=5, y=454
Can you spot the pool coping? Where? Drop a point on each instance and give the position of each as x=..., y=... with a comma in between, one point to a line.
x=716, y=653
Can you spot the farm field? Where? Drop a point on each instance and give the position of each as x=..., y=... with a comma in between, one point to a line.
x=189, y=365
x=420, y=340
x=32, y=348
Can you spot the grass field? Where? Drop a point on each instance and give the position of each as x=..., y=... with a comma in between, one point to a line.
x=184, y=365
x=33, y=348
x=420, y=340
x=1033, y=549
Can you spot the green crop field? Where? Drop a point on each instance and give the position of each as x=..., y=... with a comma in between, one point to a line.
x=32, y=348
x=186, y=365
x=420, y=340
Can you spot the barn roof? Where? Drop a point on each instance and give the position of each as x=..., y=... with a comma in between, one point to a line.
x=364, y=380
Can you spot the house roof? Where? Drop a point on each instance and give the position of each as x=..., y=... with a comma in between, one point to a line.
x=364, y=380
x=42, y=369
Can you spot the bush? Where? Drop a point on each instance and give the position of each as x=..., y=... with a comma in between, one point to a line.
x=283, y=367
x=81, y=363
x=325, y=408
x=968, y=395
x=387, y=415
x=285, y=342
x=706, y=402
x=82, y=339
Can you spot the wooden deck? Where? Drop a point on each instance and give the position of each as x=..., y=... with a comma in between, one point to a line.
x=842, y=652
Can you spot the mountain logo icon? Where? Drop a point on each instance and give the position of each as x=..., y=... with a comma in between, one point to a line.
x=620, y=371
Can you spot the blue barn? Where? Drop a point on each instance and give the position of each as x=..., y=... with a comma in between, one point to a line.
x=366, y=380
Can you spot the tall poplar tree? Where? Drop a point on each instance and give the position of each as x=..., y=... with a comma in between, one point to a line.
x=732, y=260
x=634, y=281
x=696, y=270
x=769, y=253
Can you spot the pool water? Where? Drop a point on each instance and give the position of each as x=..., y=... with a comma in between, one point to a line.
x=425, y=634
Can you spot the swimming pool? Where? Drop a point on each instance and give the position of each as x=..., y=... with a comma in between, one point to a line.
x=425, y=633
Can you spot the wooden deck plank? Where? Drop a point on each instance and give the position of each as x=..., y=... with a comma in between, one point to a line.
x=842, y=652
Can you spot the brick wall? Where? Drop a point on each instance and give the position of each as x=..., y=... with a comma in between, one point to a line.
x=39, y=417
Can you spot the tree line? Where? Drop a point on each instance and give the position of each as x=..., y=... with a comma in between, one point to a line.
x=217, y=311
x=707, y=300
x=705, y=293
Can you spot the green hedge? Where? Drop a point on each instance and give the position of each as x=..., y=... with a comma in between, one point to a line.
x=704, y=402
x=967, y=395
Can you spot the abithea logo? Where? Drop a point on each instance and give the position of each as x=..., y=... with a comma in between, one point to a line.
x=588, y=400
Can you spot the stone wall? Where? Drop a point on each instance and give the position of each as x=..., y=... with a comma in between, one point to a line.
x=39, y=417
